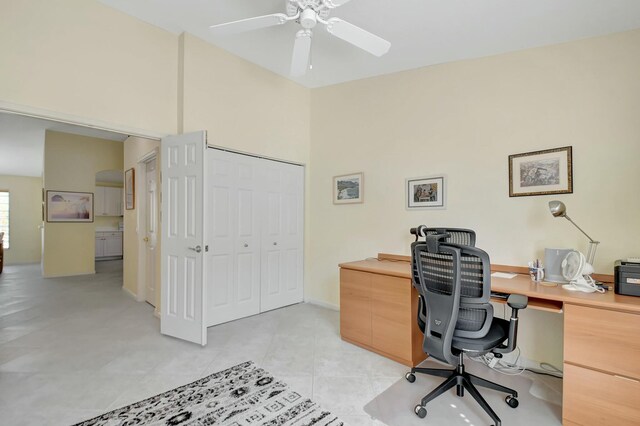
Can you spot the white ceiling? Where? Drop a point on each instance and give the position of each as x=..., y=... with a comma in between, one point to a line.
x=22, y=142
x=421, y=32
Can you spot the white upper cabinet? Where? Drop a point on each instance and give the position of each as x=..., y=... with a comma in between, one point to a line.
x=108, y=201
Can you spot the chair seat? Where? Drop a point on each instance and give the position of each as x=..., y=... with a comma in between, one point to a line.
x=498, y=333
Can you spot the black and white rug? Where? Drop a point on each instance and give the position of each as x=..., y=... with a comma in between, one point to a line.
x=244, y=395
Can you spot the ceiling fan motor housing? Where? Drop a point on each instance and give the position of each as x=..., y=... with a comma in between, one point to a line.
x=299, y=6
x=308, y=18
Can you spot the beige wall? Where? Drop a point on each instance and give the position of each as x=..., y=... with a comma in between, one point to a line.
x=70, y=164
x=134, y=150
x=84, y=59
x=243, y=106
x=25, y=215
x=463, y=120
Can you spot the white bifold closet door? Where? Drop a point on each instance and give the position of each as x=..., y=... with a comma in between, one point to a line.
x=254, y=218
x=282, y=235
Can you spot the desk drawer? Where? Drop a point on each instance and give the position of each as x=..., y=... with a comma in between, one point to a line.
x=355, y=306
x=602, y=339
x=391, y=315
x=594, y=398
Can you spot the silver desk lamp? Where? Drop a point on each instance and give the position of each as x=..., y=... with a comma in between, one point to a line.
x=558, y=209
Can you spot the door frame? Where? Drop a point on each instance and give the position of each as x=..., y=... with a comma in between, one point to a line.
x=140, y=202
x=60, y=117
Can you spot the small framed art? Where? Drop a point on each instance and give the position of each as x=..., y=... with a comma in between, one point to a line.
x=66, y=206
x=426, y=192
x=541, y=172
x=348, y=189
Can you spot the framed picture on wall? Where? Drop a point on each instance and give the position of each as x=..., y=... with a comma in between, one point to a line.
x=348, y=189
x=67, y=206
x=130, y=189
x=426, y=192
x=541, y=172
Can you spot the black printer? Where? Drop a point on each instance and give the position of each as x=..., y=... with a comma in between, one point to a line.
x=627, y=277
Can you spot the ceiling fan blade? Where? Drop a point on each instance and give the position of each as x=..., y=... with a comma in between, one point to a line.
x=301, y=52
x=358, y=37
x=249, y=24
x=331, y=4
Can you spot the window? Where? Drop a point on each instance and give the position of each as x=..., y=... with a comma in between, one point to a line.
x=4, y=216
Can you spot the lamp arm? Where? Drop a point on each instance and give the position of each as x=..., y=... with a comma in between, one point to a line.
x=591, y=257
x=580, y=229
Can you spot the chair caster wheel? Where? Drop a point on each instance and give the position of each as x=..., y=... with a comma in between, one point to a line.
x=410, y=377
x=420, y=411
x=512, y=401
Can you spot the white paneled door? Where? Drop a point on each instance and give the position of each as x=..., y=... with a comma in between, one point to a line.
x=282, y=235
x=183, y=293
x=255, y=232
x=151, y=230
x=233, y=215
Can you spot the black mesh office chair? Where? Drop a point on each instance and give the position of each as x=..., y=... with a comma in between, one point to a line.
x=455, y=281
x=466, y=237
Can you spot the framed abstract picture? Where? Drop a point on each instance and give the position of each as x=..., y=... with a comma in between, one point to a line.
x=348, y=189
x=66, y=206
x=426, y=192
x=541, y=172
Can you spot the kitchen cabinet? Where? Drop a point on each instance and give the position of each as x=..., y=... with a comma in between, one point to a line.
x=108, y=244
x=108, y=201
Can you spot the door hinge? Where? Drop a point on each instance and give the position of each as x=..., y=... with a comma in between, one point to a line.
x=206, y=249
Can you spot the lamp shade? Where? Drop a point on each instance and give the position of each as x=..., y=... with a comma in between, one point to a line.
x=557, y=208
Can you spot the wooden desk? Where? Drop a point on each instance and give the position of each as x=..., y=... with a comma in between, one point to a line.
x=601, y=334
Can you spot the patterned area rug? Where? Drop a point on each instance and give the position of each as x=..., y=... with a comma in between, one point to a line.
x=244, y=395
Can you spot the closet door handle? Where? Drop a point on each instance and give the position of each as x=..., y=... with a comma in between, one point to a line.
x=275, y=244
x=246, y=245
x=197, y=249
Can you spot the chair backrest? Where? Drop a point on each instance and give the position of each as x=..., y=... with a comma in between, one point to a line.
x=461, y=236
x=465, y=237
x=455, y=282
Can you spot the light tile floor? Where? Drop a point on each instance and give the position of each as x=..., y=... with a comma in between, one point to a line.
x=72, y=348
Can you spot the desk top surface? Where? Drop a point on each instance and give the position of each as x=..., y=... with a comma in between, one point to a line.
x=520, y=284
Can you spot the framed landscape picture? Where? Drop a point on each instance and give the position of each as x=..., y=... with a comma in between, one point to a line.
x=426, y=192
x=348, y=189
x=541, y=172
x=66, y=206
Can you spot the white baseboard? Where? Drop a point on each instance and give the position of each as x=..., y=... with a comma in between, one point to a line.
x=131, y=294
x=322, y=304
x=69, y=275
x=36, y=262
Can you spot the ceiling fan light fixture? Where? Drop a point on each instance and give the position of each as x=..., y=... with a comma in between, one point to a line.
x=308, y=13
x=308, y=18
x=301, y=53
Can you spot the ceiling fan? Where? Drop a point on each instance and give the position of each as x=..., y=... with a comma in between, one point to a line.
x=308, y=13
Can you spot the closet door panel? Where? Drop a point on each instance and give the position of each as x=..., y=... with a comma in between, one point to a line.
x=290, y=278
x=247, y=229
x=234, y=249
x=283, y=235
x=220, y=267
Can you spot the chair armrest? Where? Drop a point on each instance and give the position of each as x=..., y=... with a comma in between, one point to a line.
x=517, y=301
